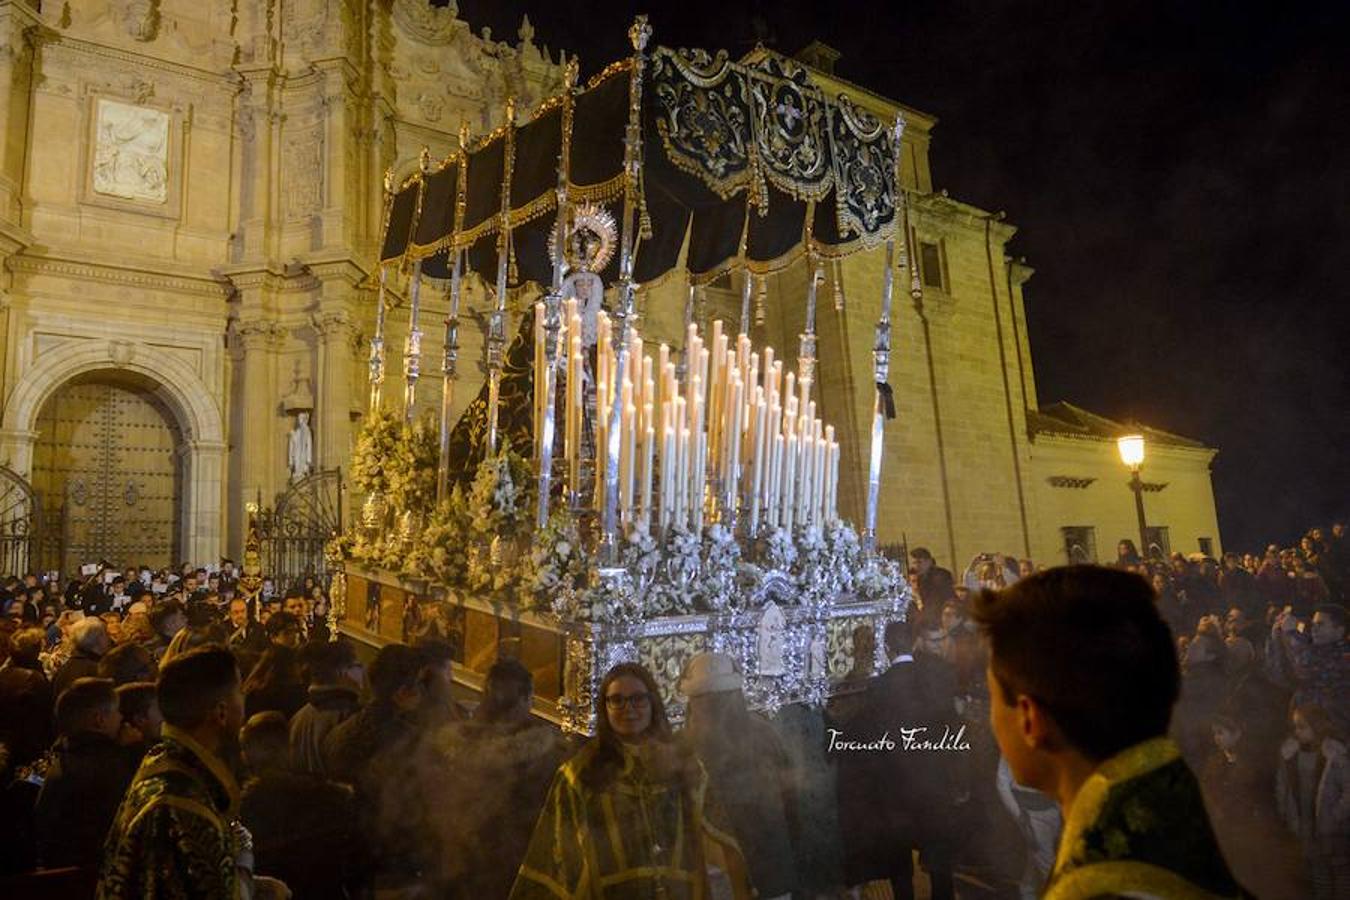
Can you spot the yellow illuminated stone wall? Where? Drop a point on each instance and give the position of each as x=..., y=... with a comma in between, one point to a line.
x=231, y=264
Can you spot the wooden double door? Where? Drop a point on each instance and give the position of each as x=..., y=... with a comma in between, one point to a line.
x=108, y=472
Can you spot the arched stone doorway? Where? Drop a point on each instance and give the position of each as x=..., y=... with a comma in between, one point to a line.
x=180, y=393
x=108, y=468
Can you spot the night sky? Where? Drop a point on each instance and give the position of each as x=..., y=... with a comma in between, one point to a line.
x=1178, y=173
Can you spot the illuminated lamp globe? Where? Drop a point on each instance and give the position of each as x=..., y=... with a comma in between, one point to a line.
x=1131, y=449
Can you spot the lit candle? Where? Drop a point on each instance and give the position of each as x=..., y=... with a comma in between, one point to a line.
x=667, y=473
x=645, y=508
x=789, y=476
x=761, y=419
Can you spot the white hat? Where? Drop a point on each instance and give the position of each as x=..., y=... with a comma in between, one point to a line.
x=710, y=673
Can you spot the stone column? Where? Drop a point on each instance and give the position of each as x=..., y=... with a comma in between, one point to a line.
x=201, y=528
x=333, y=417
x=16, y=450
x=16, y=72
x=255, y=421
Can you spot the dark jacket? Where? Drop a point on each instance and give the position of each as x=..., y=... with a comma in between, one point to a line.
x=352, y=745
x=26, y=704
x=80, y=665
x=85, y=784
x=328, y=706
x=750, y=775
x=889, y=796
x=471, y=840
x=285, y=698
x=303, y=831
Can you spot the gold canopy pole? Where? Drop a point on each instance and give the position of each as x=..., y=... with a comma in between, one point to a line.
x=639, y=35
x=377, y=342
x=450, y=363
x=412, y=351
x=882, y=403
x=496, y=341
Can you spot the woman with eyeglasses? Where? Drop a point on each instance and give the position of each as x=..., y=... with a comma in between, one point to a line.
x=627, y=816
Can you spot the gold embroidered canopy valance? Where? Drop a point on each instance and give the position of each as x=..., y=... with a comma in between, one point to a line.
x=745, y=162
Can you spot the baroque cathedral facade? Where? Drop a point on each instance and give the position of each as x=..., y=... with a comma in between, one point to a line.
x=191, y=202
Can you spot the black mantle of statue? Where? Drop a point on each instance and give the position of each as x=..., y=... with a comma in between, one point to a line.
x=730, y=153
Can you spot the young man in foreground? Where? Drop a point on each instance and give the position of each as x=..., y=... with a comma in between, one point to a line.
x=1082, y=681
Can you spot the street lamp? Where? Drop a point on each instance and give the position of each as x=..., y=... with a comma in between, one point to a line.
x=1131, y=449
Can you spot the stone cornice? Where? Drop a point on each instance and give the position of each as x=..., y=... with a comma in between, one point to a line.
x=202, y=285
x=52, y=40
x=13, y=239
x=1067, y=441
x=345, y=269
x=944, y=211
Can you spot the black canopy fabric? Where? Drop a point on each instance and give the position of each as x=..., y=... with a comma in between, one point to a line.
x=746, y=161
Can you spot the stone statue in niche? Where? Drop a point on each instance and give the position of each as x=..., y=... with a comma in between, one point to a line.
x=300, y=452
x=772, y=637
x=131, y=152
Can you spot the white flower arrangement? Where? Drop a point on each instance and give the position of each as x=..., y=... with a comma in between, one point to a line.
x=721, y=561
x=845, y=551
x=880, y=580
x=556, y=563
x=781, y=550
x=641, y=556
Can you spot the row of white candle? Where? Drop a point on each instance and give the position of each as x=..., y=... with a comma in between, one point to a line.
x=734, y=431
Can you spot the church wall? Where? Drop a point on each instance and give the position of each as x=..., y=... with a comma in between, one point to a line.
x=253, y=276
x=1106, y=503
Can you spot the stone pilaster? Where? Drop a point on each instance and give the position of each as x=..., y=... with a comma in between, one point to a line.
x=257, y=442
x=333, y=416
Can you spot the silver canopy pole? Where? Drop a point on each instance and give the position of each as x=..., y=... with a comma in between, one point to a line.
x=450, y=363
x=883, y=403
x=546, y=381
x=639, y=35
x=496, y=340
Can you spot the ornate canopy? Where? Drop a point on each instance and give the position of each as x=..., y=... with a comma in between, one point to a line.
x=748, y=162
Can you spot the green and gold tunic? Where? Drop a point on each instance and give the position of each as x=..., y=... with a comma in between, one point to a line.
x=172, y=837
x=1138, y=828
x=642, y=837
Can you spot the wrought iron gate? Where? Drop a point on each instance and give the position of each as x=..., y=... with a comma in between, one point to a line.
x=20, y=524
x=307, y=516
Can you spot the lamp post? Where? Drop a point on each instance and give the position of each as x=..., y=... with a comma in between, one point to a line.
x=1131, y=449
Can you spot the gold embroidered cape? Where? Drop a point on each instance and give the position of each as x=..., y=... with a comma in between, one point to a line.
x=1138, y=827
x=172, y=837
x=641, y=837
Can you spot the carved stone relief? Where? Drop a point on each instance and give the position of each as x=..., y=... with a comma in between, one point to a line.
x=131, y=153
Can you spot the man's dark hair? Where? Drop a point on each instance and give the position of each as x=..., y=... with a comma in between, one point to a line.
x=135, y=699
x=265, y=739
x=160, y=615
x=80, y=701
x=395, y=666
x=326, y=660
x=508, y=682
x=126, y=663
x=280, y=623
x=899, y=637
x=192, y=684
x=435, y=652
x=1088, y=645
x=202, y=615
x=920, y=553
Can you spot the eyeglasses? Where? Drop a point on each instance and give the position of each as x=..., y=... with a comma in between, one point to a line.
x=617, y=702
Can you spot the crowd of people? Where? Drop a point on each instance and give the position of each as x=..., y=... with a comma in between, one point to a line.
x=165, y=736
